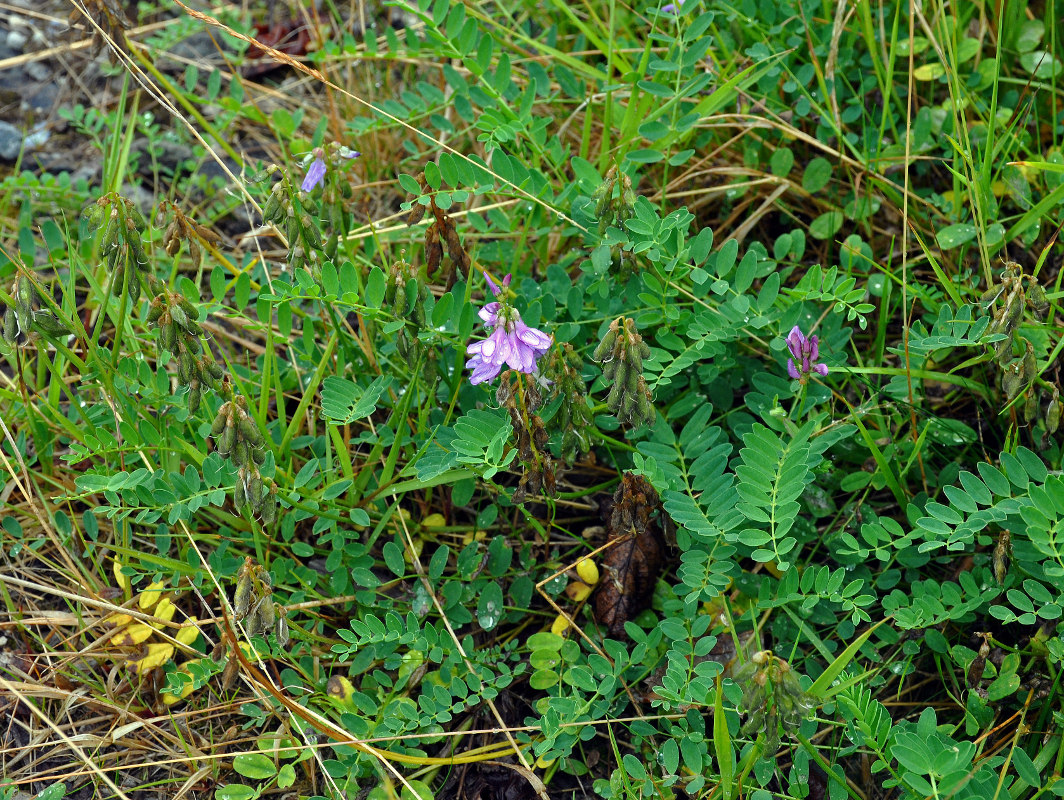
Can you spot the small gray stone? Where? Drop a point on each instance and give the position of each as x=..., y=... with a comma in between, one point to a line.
x=38, y=70
x=10, y=141
x=16, y=40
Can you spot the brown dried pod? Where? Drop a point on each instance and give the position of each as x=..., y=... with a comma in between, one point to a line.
x=232, y=669
x=433, y=249
x=242, y=596
x=632, y=565
x=1002, y=556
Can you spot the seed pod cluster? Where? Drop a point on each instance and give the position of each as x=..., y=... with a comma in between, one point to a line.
x=442, y=231
x=1007, y=302
x=519, y=394
x=1017, y=374
x=27, y=316
x=621, y=353
x=405, y=295
x=614, y=200
x=614, y=205
x=254, y=605
x=18, y=319
x=573, y=417
x=238, y=437
x=184, y=229
x=772, y=697
x=284, y=210
x=121, y=243
x=179, y=333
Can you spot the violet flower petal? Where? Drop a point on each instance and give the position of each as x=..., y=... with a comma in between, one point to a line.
x=315, y=174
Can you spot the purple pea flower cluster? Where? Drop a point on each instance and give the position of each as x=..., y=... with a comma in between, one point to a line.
x=511, y=342
x=804, y=352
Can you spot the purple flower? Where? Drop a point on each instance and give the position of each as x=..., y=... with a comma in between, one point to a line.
x=511, y=343
x=669, y=8
x=315, y=174
x=316, y=170
x=495, y=288
x=804, y=352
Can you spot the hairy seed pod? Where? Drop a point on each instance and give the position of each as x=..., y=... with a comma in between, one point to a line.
x=311, y=234
x=267, y=615
x=118, y=274
x=179, y=316
x=614, y=398
x=1030, y=406
x=241, y=455
x=155, y=311
x=1003, y=350
x=1012, y=379
x=281, y=630
x=189, y=309
x=110, y=231
x=168, y=336
x=1036, y=297
x=269, y=510
x=250, y=431
x=1052, y=418
x=136, y=251
x=94, y=216
x=271, y=211
x=24, y=295
x=137, y=223
x=1030, y=363
x=417, y=213
x=254, y=492
x=258, y=455
x=224, y=445
x=1013, y=312
x=242, y=596
x=232, y=669
x=644, y=408
x=219, y=421
x=644, y=348
x=195, y=395
x=1002, y=554
x=11, y=326
x=134, y=287
x=605, y=347
x=184, y=367
x=240, y=495
x=215, y=369
x=253, y=621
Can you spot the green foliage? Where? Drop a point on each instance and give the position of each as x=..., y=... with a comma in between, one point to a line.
x=671, y=191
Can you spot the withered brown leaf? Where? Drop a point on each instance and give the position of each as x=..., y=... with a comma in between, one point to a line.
x=632, y=565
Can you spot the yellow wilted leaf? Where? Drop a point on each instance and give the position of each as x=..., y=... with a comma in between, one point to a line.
x=578, y=591
x=928, y=72
x=433, y=521
x=158, y=654
x=134, y=634
x=188, y=634
x=560, y=625
x=120, y=619
x=588, y=571
x=121, y=579
x=165, y=610
x=150, y=596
